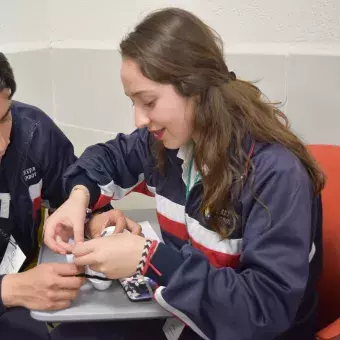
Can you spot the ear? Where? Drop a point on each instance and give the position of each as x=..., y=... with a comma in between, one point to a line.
x=6, y=93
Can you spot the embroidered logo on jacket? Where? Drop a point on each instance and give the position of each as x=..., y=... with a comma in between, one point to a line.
x=32, y=179
x=29, y=174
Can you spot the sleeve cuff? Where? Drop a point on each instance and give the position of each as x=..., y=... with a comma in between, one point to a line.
x=82, y=179
x=2, y=307
x=164, y=262
x=106, y=208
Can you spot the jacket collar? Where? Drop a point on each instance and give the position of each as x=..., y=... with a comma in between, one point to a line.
x=185, y=153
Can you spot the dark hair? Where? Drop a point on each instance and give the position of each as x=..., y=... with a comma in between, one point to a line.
x=7, y=80
x=175, y=47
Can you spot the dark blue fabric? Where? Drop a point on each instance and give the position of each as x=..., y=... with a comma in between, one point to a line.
x=39, y=151
x=7, y=221
x=17, y=323
x=116, y=330
x=272, y=293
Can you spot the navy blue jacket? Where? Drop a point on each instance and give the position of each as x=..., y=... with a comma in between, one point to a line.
x=37, y=157
x=258, y=284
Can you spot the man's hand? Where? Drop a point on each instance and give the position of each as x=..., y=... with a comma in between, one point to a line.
x=49, y=286
x=112, y=217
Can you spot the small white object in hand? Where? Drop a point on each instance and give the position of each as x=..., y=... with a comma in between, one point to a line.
x=98, y=284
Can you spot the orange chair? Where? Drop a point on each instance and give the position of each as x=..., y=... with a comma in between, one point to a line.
x=328, y=157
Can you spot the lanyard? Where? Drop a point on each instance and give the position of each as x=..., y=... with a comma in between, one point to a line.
x=207, y=211
x=189, y=178
x=187, y=191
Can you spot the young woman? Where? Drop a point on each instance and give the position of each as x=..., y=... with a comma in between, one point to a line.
x=237, y=193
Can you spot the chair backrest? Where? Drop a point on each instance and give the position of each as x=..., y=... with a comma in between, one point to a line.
x=328, y=157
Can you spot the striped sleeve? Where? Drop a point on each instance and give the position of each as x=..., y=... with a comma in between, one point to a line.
x=113, y=169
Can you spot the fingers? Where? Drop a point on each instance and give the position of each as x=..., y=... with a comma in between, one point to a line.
x=117, y=219
x=78, y=231
x=65, y=233
x=50, y=238
x=84, y=248
x=84, y=253
x=133, y=227
x=86, y=260
x=104, y=224
x=64, y=245
x=67, y=269
x=65, y=295
x=121, y=224
x=71, y=282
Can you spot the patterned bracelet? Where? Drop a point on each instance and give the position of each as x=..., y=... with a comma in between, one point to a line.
x=144, y=258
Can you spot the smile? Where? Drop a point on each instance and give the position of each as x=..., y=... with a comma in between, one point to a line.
x=158, y=134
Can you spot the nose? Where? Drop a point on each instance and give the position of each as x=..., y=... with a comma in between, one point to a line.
x=141, y=118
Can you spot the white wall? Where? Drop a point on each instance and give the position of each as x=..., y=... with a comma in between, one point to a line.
x=24, y=22
x=238, y=21
x=64, y=53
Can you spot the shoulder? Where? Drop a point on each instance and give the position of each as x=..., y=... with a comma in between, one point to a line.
x=24, y=111
x=143, y=134
x=279, y=193
x=40, y=132
x=43, y=127
x=276, y=160
x=137, y=142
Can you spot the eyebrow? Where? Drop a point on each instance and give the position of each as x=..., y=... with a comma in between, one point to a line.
x=137, y=93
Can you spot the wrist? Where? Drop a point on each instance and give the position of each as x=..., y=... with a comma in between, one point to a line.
x=10, y=288
x=166, y=260
x=150, y=247
x=80, y=194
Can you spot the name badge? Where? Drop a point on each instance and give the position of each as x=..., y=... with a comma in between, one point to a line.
x=173, y=328
x=13, y=258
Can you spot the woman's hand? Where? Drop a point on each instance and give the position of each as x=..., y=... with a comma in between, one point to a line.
x=113, y=217
x=68, y=220
x=117, y=256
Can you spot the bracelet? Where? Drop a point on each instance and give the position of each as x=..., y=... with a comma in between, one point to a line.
x=83, y=189
x=149, y=249
x=144, y=257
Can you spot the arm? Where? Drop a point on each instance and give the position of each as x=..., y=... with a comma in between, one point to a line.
x=110, y=170
x=55, y=154
x=103, y=172
x=8, y=287
x=3, y=296
x=331, y=332
x=260, y=299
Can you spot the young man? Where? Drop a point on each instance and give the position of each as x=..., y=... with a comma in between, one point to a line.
x=34, y=154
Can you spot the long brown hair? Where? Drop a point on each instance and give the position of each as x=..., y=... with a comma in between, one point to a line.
x=175, y=47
